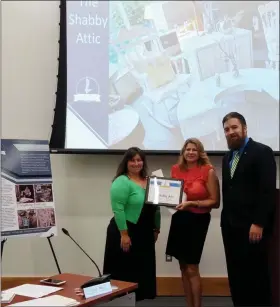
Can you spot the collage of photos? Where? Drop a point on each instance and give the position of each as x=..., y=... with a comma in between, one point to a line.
x=33, y=197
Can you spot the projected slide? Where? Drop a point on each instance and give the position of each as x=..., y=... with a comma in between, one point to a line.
x=153, y=73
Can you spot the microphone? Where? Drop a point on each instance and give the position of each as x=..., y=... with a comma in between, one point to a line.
x=95, y=281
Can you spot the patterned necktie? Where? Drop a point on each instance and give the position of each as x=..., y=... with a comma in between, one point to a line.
x=234, y=163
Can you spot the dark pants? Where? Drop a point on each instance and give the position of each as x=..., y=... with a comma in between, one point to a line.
x=248, y=268
x=139, y=264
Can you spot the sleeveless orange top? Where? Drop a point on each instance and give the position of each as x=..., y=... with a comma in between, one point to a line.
x=195, y=184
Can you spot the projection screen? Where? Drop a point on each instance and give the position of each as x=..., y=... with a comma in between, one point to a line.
x=154, y=73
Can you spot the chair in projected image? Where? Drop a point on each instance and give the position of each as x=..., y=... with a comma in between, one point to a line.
x=156, y=70
x=170, y=46
x=260, y=110
x=153, y=45
x=207, y=55
x=115, y=101
x=204, y=126
x=269, y=14
x=144, y=48
x=137, y=58
x=168, y=15
x=264, y=125
x=234, y=99
x=125, y=127
x=163, y=87
x=125, y=86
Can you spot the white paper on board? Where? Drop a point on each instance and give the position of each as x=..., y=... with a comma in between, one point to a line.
x=158, y=173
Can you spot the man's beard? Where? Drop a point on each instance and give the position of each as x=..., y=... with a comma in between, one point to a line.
x=235, y=143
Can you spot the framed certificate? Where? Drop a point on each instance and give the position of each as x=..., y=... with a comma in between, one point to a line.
x=162, y=191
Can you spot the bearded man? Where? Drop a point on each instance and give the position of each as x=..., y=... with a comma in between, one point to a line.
x=249, y=199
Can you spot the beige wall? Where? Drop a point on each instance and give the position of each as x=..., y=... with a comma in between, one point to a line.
x=81, y=182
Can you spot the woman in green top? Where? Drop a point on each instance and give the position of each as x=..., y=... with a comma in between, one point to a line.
x=133, y=231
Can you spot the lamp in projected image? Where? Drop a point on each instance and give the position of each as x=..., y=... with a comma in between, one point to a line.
x=225, y=26
x=148, y=16
x=269, y=14
x=207, y=15
x=195, y=23
x=230, y=57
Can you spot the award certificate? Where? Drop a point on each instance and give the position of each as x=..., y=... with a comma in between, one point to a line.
x=163, y=191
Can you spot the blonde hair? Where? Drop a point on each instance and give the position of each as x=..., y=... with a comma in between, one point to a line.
x=203, y=158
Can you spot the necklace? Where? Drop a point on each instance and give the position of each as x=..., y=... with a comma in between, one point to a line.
x=141, y=183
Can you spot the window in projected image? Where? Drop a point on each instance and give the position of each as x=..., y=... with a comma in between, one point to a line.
x=153, y=73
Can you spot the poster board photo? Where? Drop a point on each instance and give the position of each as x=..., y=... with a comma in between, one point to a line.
x=28, y=206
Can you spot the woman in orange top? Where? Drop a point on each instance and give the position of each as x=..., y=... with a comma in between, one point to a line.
x=190, y=223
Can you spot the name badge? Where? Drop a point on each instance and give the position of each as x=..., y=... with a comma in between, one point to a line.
x=97, y=290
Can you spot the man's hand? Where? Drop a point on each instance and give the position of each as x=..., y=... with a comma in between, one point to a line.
x=255, y=234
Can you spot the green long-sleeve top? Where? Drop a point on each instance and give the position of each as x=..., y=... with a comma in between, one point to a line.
x=127, y=200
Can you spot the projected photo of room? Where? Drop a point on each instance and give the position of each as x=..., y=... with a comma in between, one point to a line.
x=175, y=68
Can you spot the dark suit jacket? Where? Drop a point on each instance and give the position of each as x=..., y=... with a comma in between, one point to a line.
x=250, y=196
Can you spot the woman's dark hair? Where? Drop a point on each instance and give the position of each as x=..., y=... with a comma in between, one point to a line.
x=128, y=156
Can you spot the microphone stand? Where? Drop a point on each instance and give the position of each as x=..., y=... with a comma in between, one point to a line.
x=54, y=255
x=94, y=281
x=50, y=243
x=2, y=247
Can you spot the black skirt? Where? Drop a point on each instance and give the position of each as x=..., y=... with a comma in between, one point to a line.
x=139, y=264
x=187, y=236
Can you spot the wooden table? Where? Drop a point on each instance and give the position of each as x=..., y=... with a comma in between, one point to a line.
x=75, y=281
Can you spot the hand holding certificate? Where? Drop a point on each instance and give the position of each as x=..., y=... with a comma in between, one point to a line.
x=162, y=191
